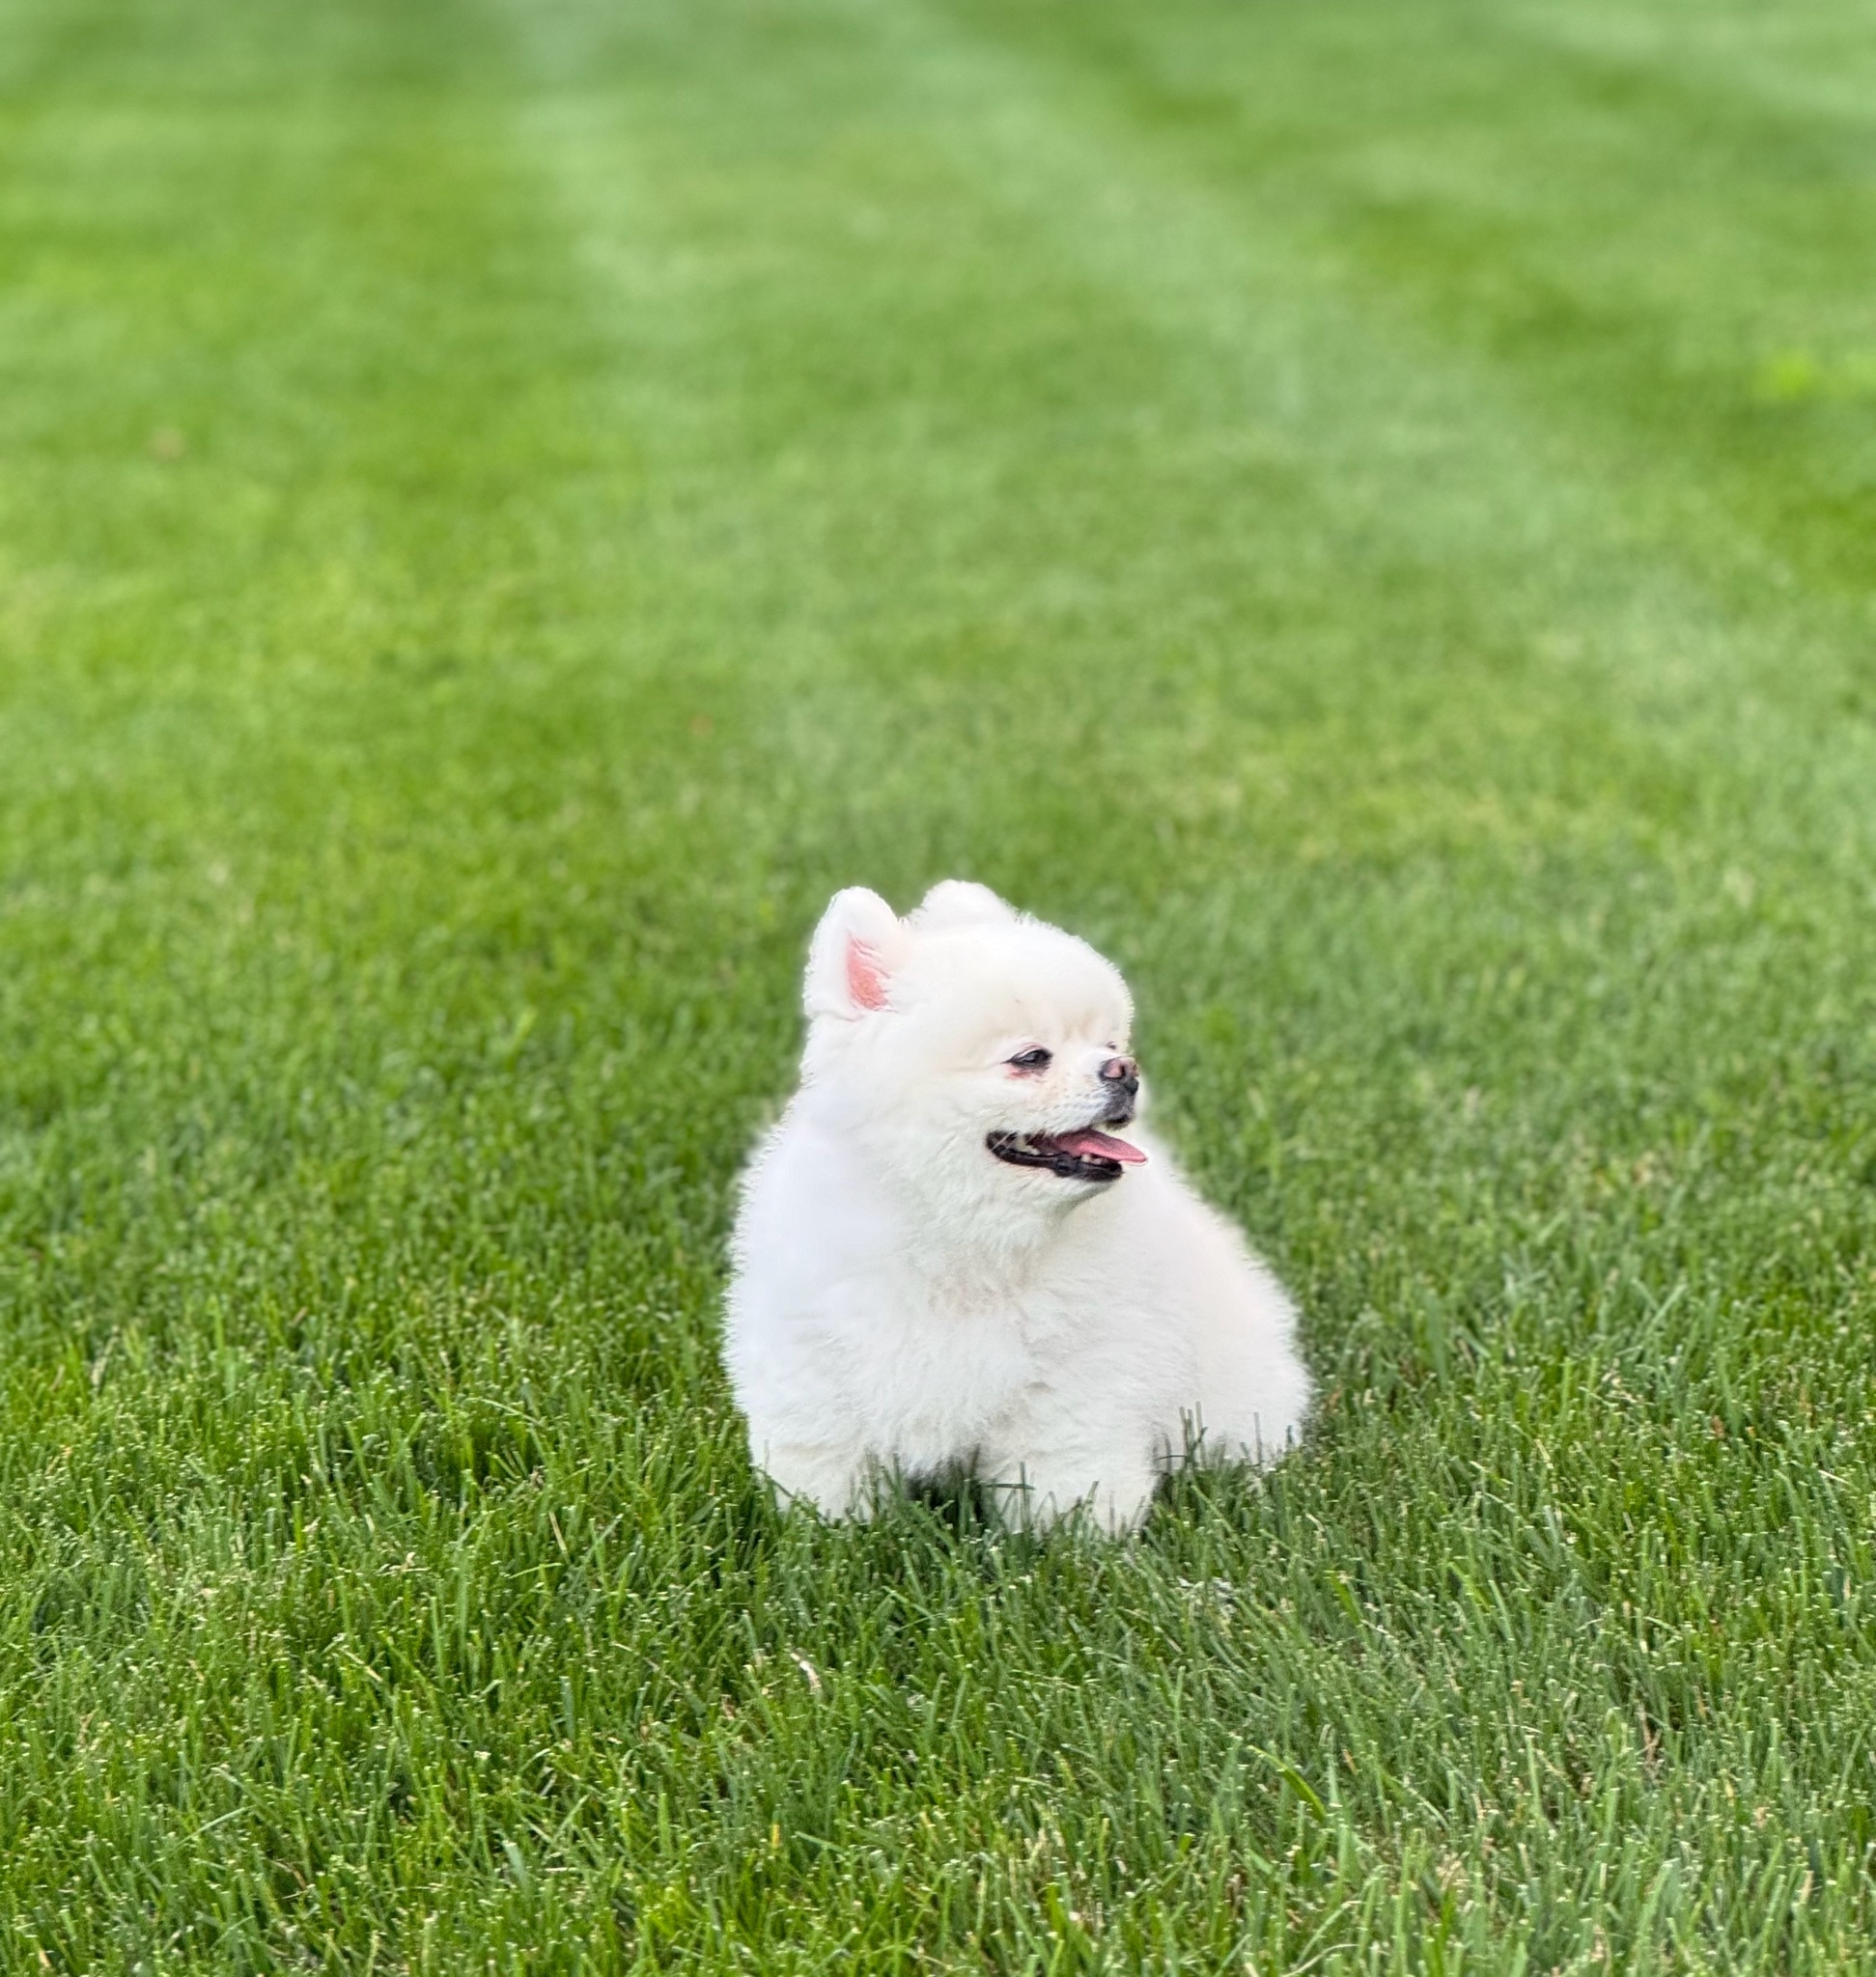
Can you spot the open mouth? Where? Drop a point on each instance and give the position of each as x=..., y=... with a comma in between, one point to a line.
x=1083, y=1154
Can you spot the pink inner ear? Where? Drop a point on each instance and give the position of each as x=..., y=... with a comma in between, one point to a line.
x=866, y=980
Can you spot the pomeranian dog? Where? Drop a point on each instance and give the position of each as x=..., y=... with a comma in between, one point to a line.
x=947, y=1260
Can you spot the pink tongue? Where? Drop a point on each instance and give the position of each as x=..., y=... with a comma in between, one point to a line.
x=1100, y=1146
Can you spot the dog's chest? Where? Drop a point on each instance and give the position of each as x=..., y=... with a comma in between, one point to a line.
x=943, y=1373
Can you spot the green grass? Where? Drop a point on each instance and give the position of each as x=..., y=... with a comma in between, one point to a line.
x=1368, y=510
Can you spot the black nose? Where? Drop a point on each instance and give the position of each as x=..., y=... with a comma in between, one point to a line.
x=1123, y=1073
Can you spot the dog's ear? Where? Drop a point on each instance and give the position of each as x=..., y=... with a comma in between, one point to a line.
x=858, y=944
x=959, y=903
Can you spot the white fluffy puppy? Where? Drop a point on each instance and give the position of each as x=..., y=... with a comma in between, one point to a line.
x=943, y=1260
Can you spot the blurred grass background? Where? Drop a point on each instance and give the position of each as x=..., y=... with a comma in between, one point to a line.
x=1363, y=509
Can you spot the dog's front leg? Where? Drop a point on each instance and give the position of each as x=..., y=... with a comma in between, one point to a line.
x=1044, y=1486
x=837, y=1480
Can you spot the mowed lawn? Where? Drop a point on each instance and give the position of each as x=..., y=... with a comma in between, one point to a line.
x=1366, y=510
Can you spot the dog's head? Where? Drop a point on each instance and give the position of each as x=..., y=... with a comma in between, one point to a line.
x=974, y=1052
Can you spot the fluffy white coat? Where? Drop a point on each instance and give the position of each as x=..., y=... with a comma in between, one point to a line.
x=906, y=1303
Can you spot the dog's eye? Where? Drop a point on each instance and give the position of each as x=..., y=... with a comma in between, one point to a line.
x=1037, y=1059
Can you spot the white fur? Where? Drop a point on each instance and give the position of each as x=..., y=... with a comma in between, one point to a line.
x=904, y=1303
